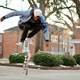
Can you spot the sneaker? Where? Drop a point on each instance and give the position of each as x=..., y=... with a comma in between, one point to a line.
x=19, y=44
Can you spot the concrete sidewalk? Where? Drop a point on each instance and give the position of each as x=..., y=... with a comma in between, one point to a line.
x=5, y=62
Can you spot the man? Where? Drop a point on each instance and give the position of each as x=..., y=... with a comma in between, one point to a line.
x=30, y=20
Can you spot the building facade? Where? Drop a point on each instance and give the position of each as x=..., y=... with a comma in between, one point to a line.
x=59, y=42
x=10, y=38
x=1, y=45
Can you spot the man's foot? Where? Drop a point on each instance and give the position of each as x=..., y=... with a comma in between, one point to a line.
x=19, y=44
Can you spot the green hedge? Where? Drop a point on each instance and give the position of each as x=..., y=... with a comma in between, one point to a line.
x=46, y=59
x=68, y=60
x=16, y=58
x=77, y=58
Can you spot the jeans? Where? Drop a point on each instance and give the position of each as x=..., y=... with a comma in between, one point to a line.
x=28, y=27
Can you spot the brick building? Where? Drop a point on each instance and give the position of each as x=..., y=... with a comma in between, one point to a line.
x=77, y=37
x=1, y=45
x=10, y=38
x=77, y=45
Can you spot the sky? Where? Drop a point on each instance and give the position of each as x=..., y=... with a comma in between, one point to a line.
x=13, y=21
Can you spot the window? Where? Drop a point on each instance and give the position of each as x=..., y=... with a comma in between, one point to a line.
x=0, y=37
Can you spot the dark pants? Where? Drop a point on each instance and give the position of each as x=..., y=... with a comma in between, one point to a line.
x=28, y=27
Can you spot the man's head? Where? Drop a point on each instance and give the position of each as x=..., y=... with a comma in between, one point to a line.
x=37, y=13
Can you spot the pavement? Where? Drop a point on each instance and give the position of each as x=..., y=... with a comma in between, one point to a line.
x=18, y=73
x=5, y=62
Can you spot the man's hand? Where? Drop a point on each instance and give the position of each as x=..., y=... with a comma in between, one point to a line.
x=2, y=18
x=47, y=43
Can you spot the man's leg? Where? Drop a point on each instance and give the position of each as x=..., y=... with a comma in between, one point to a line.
x=24, y=35
x=34, y=31
x=25, y=29
x=25, y=32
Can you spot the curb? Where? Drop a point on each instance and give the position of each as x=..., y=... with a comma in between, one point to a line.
x=41, y=67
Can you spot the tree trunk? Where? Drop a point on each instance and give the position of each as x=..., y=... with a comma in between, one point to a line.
x=74, y=33
x=39, y=36
x=77, y=2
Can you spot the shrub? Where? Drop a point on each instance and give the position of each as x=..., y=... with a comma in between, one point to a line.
x=16, y=58
x=77, y=58
x=68, y=61
x=59, y=60
x=46, y=59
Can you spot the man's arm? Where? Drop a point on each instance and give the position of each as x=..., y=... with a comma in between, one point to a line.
x=45, y=29
x=2, y=18
x=16, y=13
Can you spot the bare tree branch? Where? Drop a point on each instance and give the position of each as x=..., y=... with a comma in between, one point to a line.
x=64, y=23
x=34, y=3
x=54, y=10
x=68, y=25
x=8, y=8
x=30, y=3
x=77, y=2
x=46, y=3
x=70, y=18
x=6, y=3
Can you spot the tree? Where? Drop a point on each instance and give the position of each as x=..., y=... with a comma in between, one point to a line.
x=55, y=8
x=77, y=3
